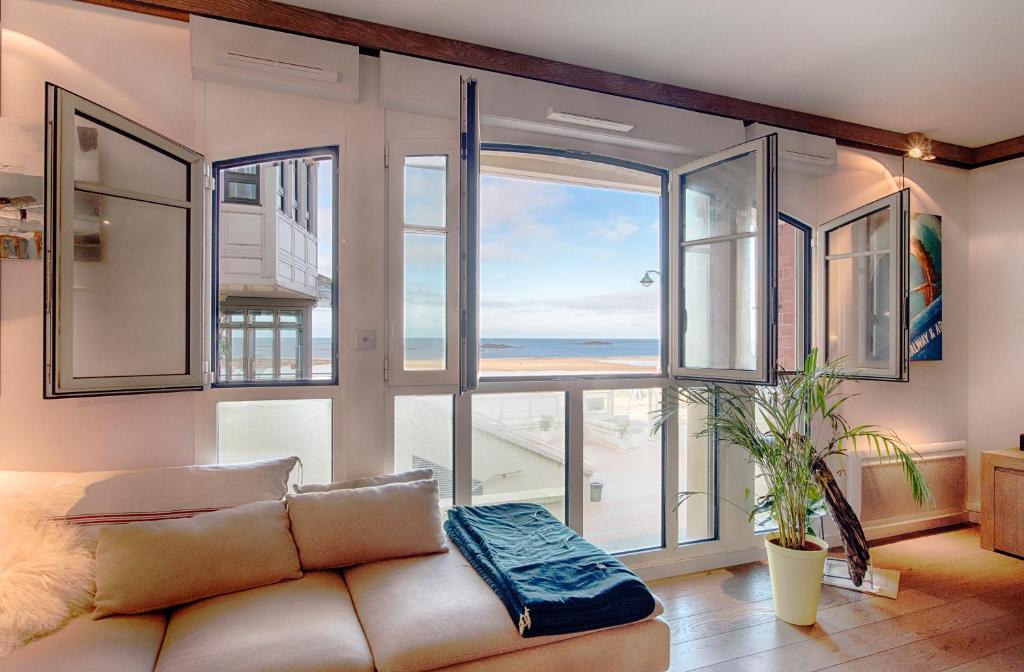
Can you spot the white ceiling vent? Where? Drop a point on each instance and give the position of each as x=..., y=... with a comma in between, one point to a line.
x=230, y=53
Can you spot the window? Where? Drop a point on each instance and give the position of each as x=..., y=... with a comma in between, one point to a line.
x=424, y=240
x=863, y=275
x=622, y=465
x=724, y=223
x=280, y=185
x=565, y=241
x=261, y=430
x=293, y=167
x=276, y=278
x=519, y=449
x=242, y=185
x=424, y=438
x=309, y=207
x=264, y=344
x=124, y=235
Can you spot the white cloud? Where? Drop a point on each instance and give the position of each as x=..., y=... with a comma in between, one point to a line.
x=615, y=232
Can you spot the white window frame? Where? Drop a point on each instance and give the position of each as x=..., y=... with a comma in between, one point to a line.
x=766, y=159
x=898, y=204
x=62, y=106
x=397, y=151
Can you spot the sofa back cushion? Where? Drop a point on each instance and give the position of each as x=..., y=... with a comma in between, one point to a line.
x=369, y=481
x=94, y=499
x=340, y=528
x=153, y=565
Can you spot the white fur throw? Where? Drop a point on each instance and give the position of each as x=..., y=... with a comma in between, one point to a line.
x=46, y=575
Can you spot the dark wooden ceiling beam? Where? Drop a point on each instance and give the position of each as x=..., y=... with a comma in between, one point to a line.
x=327, y=26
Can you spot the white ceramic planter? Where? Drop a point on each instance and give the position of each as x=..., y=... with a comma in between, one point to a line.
x=796, y=580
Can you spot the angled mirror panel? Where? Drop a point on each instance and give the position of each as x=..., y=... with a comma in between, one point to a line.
x=723, y=222
x=862, y=275
x=123, y=255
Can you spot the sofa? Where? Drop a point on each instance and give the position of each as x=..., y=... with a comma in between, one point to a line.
x=406, y=614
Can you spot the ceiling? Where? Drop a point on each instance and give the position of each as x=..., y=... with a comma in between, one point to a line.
x=952, y=69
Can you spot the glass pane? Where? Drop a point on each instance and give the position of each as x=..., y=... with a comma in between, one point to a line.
x=721, y=314
x=859, y=312
x=130, y=277
x=291, y=353
x=111, y=159
x=792, y=284
x=425, y=292
x=426, y=189
x=247, y=192
x=519, y=449
x=262, y=430
x=299, y=293
x=263, y=354
x=570, y=278
x=424, y=438
x=622, y=467
x=261, y=316
x=696, y=512
x=721, y=199
x=867, y=234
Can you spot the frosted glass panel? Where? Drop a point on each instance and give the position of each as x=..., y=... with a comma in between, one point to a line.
x=424, y=438
x=697, y=466
x=262, y=430
x=130, y=308
x=622, y=468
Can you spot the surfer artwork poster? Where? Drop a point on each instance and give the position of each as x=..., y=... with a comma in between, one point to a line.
x=925, y=287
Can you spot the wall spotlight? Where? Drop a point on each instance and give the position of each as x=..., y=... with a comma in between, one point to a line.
x=919, y=147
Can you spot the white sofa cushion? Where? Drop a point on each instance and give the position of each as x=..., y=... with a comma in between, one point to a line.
x=306, y=625
x=348, y=527
x=434, y=611
x=158, y=564
x=366, y=482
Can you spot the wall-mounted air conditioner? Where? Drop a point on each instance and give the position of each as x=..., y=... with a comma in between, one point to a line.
x=800, y=152
x=230, y=53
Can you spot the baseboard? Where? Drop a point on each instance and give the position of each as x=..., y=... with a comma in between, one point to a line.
x=703, y=563
x=886, y=530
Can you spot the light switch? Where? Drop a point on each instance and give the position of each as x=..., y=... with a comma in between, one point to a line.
x=366, y=339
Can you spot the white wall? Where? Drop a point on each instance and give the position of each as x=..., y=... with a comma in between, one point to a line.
x=996, y=332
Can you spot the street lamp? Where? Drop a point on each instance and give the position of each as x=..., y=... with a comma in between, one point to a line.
x=647, y=280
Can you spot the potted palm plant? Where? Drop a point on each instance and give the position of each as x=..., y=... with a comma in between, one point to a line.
x=790, y=431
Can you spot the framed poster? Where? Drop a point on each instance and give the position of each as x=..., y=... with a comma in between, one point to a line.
x=925, y=287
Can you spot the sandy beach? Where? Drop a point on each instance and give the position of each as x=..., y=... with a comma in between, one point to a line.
x=525, y=365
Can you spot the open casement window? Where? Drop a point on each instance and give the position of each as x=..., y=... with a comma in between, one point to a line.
x=469, y=219
x=123, y=280
x=862, y=290
x=423, y=214
x=723, y=222
x=794, y=305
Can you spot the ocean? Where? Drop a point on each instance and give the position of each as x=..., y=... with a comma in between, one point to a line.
x=533, y=348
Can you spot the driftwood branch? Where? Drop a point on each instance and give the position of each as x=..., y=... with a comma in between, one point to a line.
x=850, y=530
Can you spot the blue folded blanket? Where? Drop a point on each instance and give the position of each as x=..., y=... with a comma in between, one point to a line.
x=551, y=580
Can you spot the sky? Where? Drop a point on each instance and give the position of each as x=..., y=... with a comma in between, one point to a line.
x=557, y=260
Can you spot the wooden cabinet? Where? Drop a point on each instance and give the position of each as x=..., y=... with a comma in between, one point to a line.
x=1002, y=501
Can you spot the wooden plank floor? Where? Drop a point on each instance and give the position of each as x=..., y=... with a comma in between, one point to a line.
x=959, y=608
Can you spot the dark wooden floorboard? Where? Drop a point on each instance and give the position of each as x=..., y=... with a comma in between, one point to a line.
x=960, y=608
